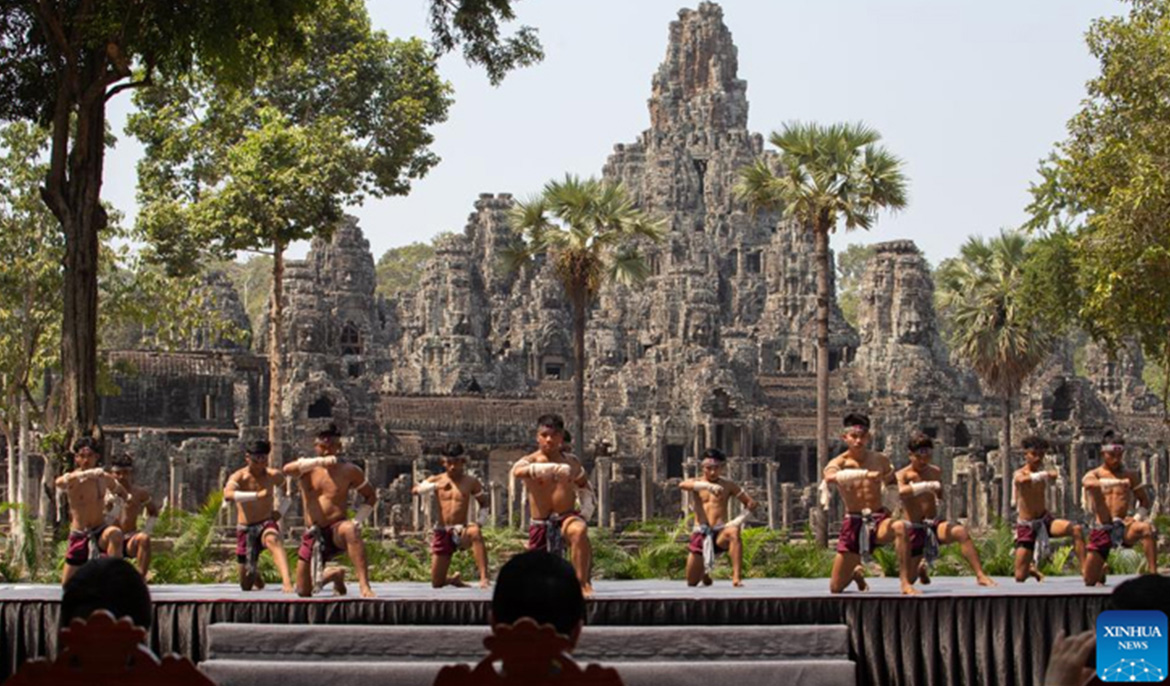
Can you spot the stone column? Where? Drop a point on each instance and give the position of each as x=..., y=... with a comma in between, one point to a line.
x=176, y=480
x=603, y=474
x=770, y=474
x=494, y=502
x=511, y=481
x=525, y=514
x=786, y=506
x=647, y=484
x=416, y=501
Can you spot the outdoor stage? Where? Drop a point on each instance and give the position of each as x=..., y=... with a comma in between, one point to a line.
x=955, y=633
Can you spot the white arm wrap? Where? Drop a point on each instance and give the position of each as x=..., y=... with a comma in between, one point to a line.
x=588, y=502
x=556, y=471
x=713, y=489
x=1039, y=476
x=148, y=526
x=245, y=496
x=363, y=513
x=1109, y=483
x=1142, y=514
x=921, y=487
x=847, y=475
x=426, y=487
x=738, y=521
x=307, y=464
x=85, y=474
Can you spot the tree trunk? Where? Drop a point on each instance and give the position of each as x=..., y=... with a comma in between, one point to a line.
x=580, y=312
x=1005, y=461
x=72, y=192
x=276, y=358
x=822, y=258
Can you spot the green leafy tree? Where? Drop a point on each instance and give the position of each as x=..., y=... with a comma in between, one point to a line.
x=590, y=231
x=257, y=168
x=400, y=269
x=992, y=327
x=825, y=176
x=62, y=62
x=851, y=264
x=1106, y=188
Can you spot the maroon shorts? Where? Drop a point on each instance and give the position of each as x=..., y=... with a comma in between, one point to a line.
x=78, y=552
x=919, y=535
x=329, y=549
x=538, y=534
x=1101, y=540
x=1026, y=536
x=443, y=542
x=849, y=540
x=242, y=538
x=695, y=547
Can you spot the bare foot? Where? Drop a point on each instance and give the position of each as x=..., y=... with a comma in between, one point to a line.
x=908, y=589
x=923, y=573
x=707, y=580
x=859, y=578
x=587, y=590
x=737, y=582
x=1034, y=572
x=484, y=583
x=456, y=580
x=367, y=592
x=985, y=580
x=287, y=588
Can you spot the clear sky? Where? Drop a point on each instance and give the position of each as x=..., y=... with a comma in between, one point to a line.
x=970, y=93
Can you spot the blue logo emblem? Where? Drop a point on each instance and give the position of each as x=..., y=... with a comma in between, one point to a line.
x=1132, y=645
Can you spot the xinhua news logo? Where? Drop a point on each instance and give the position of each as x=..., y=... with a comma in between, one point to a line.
x=1132, y=646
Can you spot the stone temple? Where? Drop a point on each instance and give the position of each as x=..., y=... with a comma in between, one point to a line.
x=717, y=349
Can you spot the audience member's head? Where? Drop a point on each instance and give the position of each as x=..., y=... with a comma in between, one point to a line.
x=1146, y=592
x=543, y=587
x=110, y=584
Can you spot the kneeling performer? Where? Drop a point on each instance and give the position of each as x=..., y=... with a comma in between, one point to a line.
x=713, y=533
x=454, y=490
x=253, y=489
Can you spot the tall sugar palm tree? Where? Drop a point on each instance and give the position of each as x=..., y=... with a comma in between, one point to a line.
x=590, y=231
x=826, y=176
x=989, y=325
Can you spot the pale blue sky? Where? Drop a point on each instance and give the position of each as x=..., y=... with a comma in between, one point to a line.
x=971, y=94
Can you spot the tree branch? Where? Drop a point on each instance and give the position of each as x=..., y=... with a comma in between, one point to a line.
x=148, y=81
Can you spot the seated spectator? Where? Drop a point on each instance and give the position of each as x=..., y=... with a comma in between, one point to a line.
x=543, y=587
x=107, y=583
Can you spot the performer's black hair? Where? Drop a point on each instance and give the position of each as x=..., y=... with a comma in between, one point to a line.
x=122, y=461
x=856, y=419
x=86, y=442
x=108, y=583
x=542, y=586
x=1112, y=436
x=328, y=432
x=714, y=454
x=258, y=447
x=552, y=421
x=919, y=440
x=452, y=449
x=1034, y=443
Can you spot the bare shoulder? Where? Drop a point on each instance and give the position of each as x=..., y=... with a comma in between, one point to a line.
x=933, y=471
x=836, y=462
x=905, y=473
x=535, y=456
x=731, y=487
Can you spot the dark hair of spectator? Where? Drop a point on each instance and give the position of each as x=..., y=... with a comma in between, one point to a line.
x=108, y=583
x=542, y=586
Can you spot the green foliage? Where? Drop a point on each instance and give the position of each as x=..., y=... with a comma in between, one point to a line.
x=1057, y=563
x=851, y=264
x=191, y=560
x=476, y=26
x=400, y=269
x=800, y=560
x=1126, y=561
x=1105, y=186
x=997, y=550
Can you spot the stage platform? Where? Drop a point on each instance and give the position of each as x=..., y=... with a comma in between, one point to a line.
x=955, y=633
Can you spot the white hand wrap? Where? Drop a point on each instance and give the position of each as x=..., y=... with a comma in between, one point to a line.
x=308, y=464
x=426, y=487
x=555, y=471
x=148, y=526
x=738, y=521
x=1142, y=514
x=1110, y=483
x=363, y=513
x=245, y=496
x=1039, y=476
x=85, y=474
x=844, y=476
x=713, y=489
x=921, y=487
x=588, y=502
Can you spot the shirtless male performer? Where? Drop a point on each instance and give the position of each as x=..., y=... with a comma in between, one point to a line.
x=861, y=476
x=454, y=490
x=920, y=485
x=325, y=483
x=86, y=488
x=555, y=479
x=713, y=534
x=1036, y=524
x=253, y=489
x=136, y=544
x=1111, y=490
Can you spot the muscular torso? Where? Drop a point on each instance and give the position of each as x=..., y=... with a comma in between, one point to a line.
x=454, y=496
x=712, y=509
x=87, y=502
x=923, y=506
x=325, y=492
x=546, y=496
x=261, y=508
x=1112, y=502
x=1031, y=496
x=139, y=499
x=865, y=493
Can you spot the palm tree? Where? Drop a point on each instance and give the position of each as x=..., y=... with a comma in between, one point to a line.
x=827, y=175
x=589, y=230
x=990, y=326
